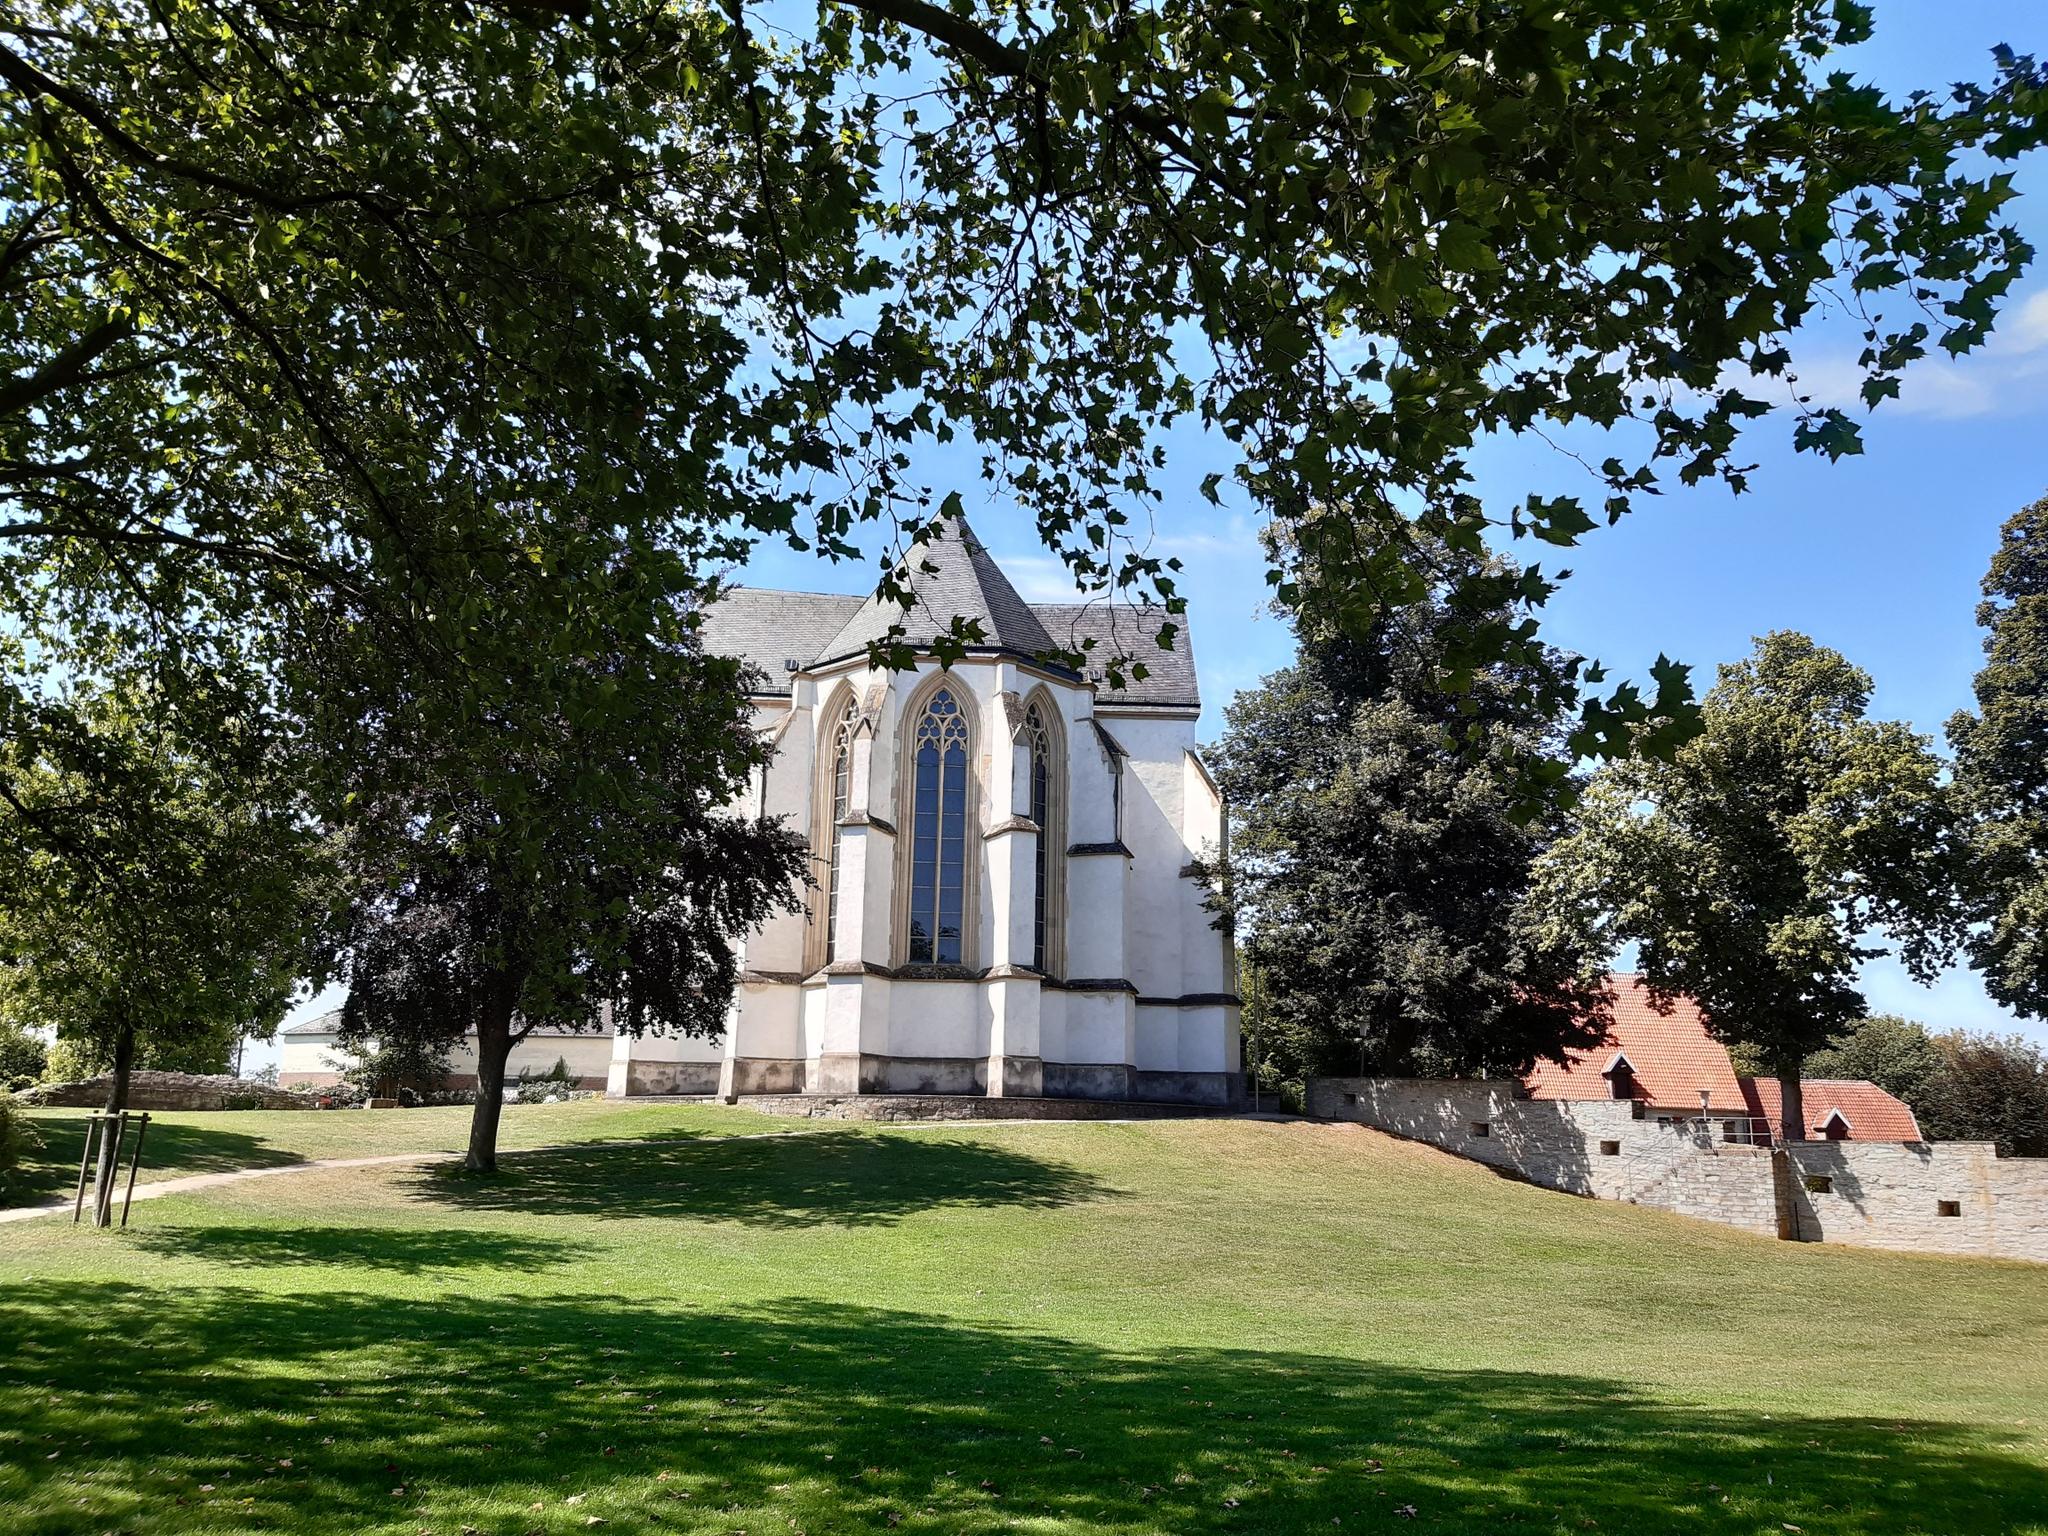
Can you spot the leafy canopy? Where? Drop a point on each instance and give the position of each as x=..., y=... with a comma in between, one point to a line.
x=382, y=303
x=1751, y=868
x=2002, y=770
x=151, y=893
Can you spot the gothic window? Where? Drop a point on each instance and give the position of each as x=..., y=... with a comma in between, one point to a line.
x=840, y=800
x=938, y=832
x=1040, y=740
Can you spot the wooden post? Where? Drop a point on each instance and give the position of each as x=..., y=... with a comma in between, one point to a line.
x=103, y=1194
x=92, y=1123
x=134, y=1162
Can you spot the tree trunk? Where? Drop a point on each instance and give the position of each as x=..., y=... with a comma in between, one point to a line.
x=1791, y=1128
x=493, y=1046
x=1397, y=1047
x=1791, y=1106
x=117, y=1100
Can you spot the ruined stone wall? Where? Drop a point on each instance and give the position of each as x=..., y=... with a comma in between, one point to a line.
x=1948, y=1197
x=166, y=1090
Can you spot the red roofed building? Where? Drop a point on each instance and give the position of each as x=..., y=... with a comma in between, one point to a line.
x=1663, y=1061
x=1837, y=1109
x=1667, y=1062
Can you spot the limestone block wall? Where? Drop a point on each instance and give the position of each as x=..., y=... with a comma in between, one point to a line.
x=1941, y=1197
x=1599, y=1149
x=1946, y=1197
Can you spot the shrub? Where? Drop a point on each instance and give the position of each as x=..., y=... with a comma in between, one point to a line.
x=23, y=1057
x=408, y=1070
x=18, y=1136
x=558, y=1082
x=73, y=1061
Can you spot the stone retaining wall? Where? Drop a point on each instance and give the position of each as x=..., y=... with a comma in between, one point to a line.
x=1600, y=1149
x=1939, y=1197
x=1947, y=1197
x=166, y=1090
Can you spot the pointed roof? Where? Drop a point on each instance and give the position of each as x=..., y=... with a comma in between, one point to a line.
x=1670, y=1054
x=1867, y=1110
x=784, y=633
x=953, y=576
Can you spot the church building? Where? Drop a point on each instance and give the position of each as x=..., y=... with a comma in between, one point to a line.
x=1005, y=900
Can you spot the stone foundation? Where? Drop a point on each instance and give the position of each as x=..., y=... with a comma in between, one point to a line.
x=933, y=1106
x=670, y=1078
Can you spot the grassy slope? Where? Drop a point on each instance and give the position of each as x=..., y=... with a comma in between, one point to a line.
x=1168, y=1327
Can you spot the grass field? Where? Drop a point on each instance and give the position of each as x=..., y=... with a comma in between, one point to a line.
x=1180, y=1326
x=178, y=1143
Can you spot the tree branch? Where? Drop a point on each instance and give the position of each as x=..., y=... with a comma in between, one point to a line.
x=65, y=369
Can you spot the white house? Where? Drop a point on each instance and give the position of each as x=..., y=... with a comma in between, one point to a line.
x=1004, y=900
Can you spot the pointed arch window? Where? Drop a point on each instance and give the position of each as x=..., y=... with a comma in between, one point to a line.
x=840, y=800
x=1040, y=741
x=938, y=837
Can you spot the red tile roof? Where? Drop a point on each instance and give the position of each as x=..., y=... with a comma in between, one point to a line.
x=1870, y=1113
x=1672, y=1055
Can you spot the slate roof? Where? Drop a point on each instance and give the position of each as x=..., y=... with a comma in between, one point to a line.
x=1871, y=1113
x=1133, y=633
x=1672, y=1055
x=327, y=1023
x=771, y=629
x=963, y=582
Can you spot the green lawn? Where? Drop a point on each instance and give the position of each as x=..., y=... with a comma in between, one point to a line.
x=1181, y=1326
x=178, y=1143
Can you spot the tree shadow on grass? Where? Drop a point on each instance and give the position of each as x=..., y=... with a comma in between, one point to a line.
x=401, y=1252
x=836, y=1178
x=224, y=1409
x=50, y=1172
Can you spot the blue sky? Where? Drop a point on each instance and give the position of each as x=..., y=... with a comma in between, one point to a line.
x=1878, y=556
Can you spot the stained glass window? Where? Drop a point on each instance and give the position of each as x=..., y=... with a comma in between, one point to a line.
x=842, y=793
x=938, y=834
x=1040, y=740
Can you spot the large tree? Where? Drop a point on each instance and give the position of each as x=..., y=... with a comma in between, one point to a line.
x=369, y=302
x=1753, y=868
x=1896, y=1054
x=611, y=889
x=1377, y=872
x=1990, y=1088
x=2002, y=769
x=151, y=894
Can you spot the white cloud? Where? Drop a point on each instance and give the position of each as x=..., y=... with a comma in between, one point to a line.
x=2025, y=329
x=1041, y=578
x=2006, y=378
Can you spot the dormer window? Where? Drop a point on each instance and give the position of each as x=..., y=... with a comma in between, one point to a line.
x=1836, y=1126
x=1621, y=1077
